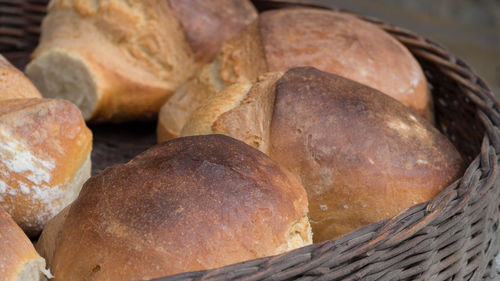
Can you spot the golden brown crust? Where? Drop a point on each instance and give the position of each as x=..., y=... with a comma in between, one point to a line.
x=344, y=45
x=207, y=24
x=250, y=121
x=361, y=155
x=44, y=144
x=188, y=204
x=178, y=109
x=331, y=41
x=16, y=248
x=241, y=59
x=134, y=54
x=13, y=83
x=207, y=114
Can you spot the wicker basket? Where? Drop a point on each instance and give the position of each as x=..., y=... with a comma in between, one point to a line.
x=453, y=237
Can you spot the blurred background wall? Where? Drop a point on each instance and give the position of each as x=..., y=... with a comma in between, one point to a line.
x=469, y=28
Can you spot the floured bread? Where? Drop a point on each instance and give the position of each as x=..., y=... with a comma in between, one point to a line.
x=44, y=159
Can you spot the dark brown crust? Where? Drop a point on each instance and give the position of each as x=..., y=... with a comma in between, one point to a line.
x=344, y=45
x=361, y=155
x=208, y=24
x=188, y=204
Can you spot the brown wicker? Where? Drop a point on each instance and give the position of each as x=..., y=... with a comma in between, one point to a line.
x=453, y=237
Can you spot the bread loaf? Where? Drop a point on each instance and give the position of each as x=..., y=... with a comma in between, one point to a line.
x=44, y=158
x=189, y=204
x=120, y=60
x=13, y=83
x=18, y=259
x=330, y=41
x=361, y=155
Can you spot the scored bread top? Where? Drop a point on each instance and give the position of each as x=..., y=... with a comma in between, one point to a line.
x=281, y=39
x=189, y=204
x=361, y=155
x=121, y=60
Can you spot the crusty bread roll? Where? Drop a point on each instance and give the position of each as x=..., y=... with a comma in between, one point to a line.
x=119, y=60
x=13, y=83
x=361, y=155
x=44, y=158
x=18, y=259
x=189, y=204
x=330, y=41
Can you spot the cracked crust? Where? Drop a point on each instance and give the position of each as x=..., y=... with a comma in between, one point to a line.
x=241, y=60
x=361, y=155
x=189, y=204
x=121, y=60
x=330, y=41
x=341, y=44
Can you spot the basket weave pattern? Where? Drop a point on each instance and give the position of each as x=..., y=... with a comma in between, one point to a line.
x=455, y=236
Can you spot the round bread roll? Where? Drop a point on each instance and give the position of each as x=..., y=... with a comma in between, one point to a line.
x=13, y=83
x=281, y=39
x=18, y=259
x=44, y=159
x=120, y=60
x=361, y=155
x=189, y=204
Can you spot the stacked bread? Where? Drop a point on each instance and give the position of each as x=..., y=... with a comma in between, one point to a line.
x=281, y=39
x=346, y=141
